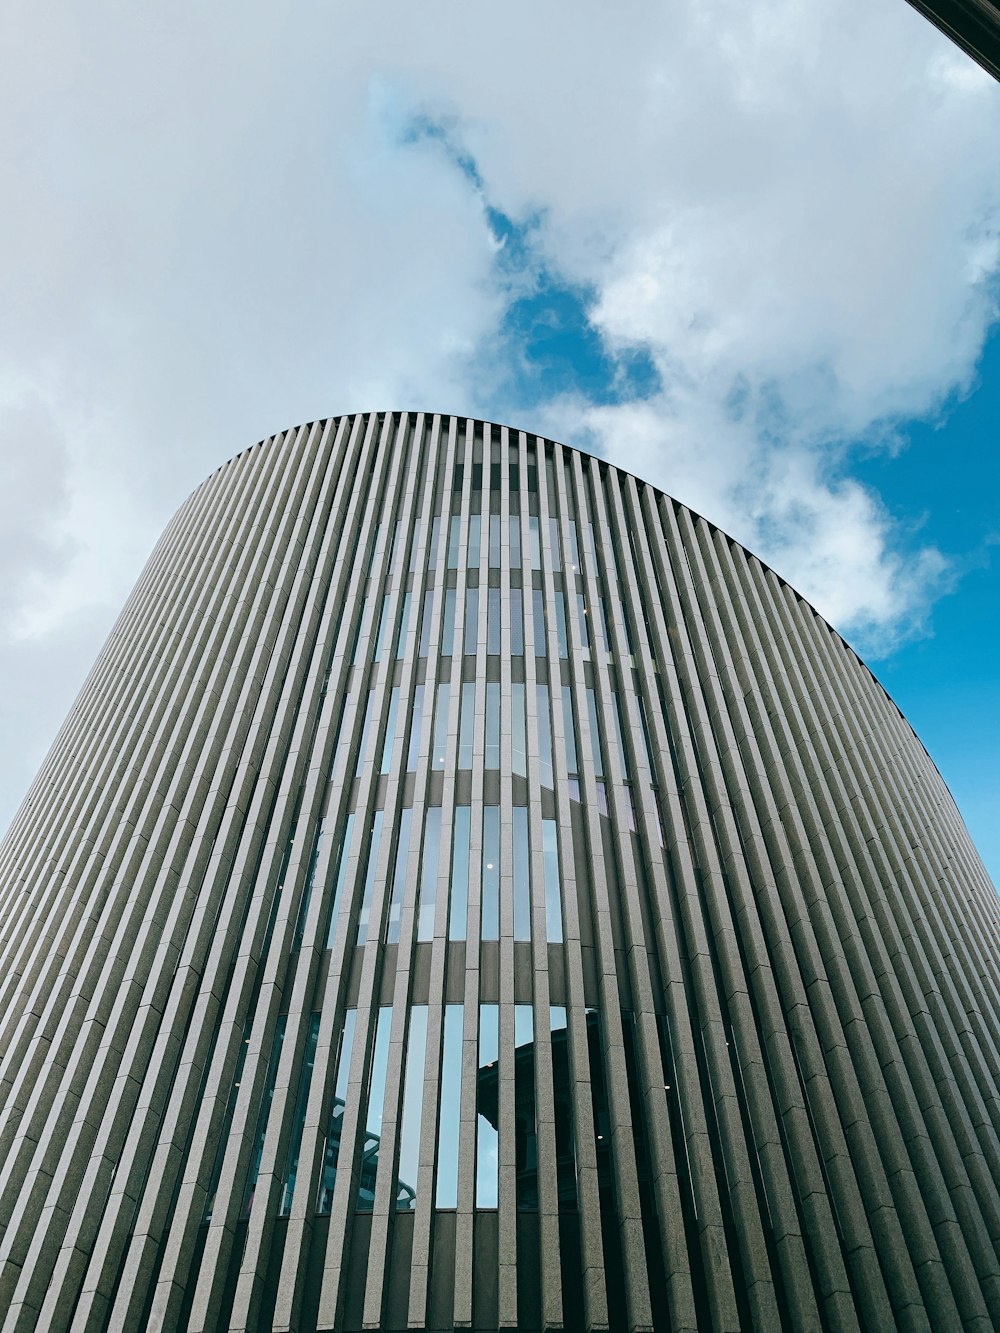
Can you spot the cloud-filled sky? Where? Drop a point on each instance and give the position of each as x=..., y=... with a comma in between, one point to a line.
x=749, y=251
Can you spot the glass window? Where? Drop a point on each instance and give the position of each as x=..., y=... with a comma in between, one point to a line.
x=397, y=546
x=616, y=715
x=413, y=1100
x=493, y=620
x=404, y=625
x=538, y=610
x=544, y=733
x=595, y=734
x=262, y=1116
x=389, y=740
x=368, y=1174
x=561, y=624
x=467, y=724
x=518, y=730
x=475, y=525
x=534, y=544
x=526, y=1153
x=490, y=922
x=376, y=550
x=429, y=872
x=495, y=528
x=553, y=888
x=554, y=552
x=295, y=1142
x=331, y=1152
x=574, y=546
x=492, y=725
x=569, y=728
x=383, y=628
x=454, y=538
x=358, y=637
x=562, y=1089
x=425, y=624
x=416, y=722
x=439, y=747
x=461, y=844
x=435, y=543
x=448, y=624
x=471, y=619
x=516, y=622
x=449, y=1120
x=399, y=878
x=314, y=855
x=644, y=732
x=522, y=875
x=418, y=534
x=515, y=540
x=374, y=840
x=584, y=625
x=342, y=861
x=365, y=727
x=487, y=1107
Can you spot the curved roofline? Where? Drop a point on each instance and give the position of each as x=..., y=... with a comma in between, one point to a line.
x=502, y=425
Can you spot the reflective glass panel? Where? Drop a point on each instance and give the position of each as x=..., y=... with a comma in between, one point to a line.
x=368, y=1172
x=553, y=888
x=399, y=878
x=446, y=1183
x=413, y=1099
x=331, y=1152
x=428, y=872
x=491, y=873
x=522, y=875
x=488, y=1107
x=461, y=839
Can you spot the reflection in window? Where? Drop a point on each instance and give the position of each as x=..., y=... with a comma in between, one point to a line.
x=583, y=621
x=544, y=725
x=454, y=536
x=554, y=544
x=491, y=873
x=522, y=875
x=574, y=546
x=440, y=741
x=518, y=729
x=295, y=1142
x=516, y=622
x=538, y=616
x=383, y=628
x=331, y=1151
x=467, y=724
x=524, y=1107
x=446, y=1183
x=471, y=619
x=495, y=524
x=561, y=624
x=428, y=873
x=492, y=759
x=562, y=1089
x=553, y=888
x=404, y=625
x=342, y=860
x=461, y=840
x=493, y=620
x=425, y=624
x=365, y=727
x=314, y=856
x=399, y=878
x=487, y=1107
x=374, y=841
x=262, y=1116
x=475, y=524
x=448, y=623
x=569, y=730
x=368, y=1169
x=515, y=541
x=389, y=740
x=534, y=545
x=413, y=1100
x=416, y=722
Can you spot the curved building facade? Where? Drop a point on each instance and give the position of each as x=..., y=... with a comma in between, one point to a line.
x=471, y=891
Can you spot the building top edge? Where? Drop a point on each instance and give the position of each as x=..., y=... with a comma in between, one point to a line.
x=400, y=413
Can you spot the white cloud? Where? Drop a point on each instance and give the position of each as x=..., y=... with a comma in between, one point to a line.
x=218, y=230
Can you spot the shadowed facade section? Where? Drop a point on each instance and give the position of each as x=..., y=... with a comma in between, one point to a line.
x=472, y=891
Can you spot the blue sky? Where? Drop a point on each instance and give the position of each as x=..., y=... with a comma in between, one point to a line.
x=750, y=252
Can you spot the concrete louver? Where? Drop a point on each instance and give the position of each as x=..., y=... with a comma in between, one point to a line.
x=624, y=965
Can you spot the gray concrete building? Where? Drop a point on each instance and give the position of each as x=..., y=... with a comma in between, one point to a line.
x=471, y=891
